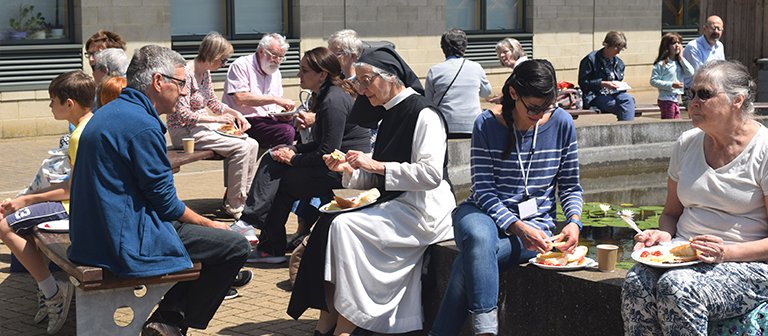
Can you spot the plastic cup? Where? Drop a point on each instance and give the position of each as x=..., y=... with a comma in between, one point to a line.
x=607, y=255
x=189, y=145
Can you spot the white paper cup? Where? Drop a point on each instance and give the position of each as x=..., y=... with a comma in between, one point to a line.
x=189, y=145
x=607, y=256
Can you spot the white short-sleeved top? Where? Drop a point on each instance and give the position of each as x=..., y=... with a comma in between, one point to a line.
x=728, y=202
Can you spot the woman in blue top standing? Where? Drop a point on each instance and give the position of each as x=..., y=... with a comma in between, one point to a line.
x=667, y=76
x=524, y=153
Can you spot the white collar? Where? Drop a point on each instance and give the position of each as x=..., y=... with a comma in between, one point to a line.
x=400, y=97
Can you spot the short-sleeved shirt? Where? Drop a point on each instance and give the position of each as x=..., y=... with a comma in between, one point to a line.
x=74, y=140
x=728, y=202
x=245, y=75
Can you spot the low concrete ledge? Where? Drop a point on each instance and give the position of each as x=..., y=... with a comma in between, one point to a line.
x=533, y=301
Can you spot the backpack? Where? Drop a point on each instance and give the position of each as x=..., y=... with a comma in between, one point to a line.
x=569, y=96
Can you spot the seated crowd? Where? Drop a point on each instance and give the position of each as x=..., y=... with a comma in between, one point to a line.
x=362, y=267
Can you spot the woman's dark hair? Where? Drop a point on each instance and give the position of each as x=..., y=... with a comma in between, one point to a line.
x=667, y=40
x=321, y=59
x=454, y=42
x=534, y=78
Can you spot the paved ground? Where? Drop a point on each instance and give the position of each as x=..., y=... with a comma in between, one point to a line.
x=260, y=309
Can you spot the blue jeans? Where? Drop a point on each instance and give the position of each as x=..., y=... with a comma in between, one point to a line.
x=621, y=104
x=473, y=287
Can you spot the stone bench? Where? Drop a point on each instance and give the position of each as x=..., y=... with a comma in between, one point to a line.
x=101, y=295
x=534, y=301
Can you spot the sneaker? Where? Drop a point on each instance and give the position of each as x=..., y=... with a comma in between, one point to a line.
x=242, y=278
x=265, y=258
x=231, y=294
x=42, y=309
x=235, y=212
x=58, y=306
x=246, y=230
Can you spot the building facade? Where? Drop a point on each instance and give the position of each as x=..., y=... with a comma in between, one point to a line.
x=562, y=31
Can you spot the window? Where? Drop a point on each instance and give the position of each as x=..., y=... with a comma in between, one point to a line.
x=681, y=16
x=242, y=22
x=486, y=22
x=36, y=43
x=485, y=16
x=235, y=19
x=30, y=22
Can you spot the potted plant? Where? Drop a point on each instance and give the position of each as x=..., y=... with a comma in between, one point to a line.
x=26, y=22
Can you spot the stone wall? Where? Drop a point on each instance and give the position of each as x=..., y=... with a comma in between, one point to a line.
x=563, y=32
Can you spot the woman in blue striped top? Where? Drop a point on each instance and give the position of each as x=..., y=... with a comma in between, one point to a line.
x=523, y=156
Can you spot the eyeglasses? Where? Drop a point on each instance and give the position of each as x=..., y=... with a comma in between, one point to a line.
x=273, y=56
x=703, y=94
x=363, y=82
x=223, y=61
x=179, y=82
x=715, y=28
x=534, y=110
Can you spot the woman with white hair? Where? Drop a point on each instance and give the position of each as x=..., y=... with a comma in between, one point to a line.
x=717, y=197
x=369, y=260
x=511, y=54
x=191, y=119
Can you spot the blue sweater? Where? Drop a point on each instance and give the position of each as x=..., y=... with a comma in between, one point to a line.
x=123, y=197
x=497, y=185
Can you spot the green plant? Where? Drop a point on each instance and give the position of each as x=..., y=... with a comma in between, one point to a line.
x=25, y=20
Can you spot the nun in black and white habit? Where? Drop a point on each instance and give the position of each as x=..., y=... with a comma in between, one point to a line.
x=369, y=261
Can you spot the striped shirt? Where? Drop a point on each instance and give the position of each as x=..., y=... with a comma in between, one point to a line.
x=497, y=185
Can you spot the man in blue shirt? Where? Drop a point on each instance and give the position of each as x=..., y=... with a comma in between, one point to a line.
x=703, y=49
x=125, y=215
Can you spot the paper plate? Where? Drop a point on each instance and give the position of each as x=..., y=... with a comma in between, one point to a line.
x=588, y=262
x=55, y=226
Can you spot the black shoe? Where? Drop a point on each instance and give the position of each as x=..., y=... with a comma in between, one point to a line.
x=160, y=329
x=294, y=241
x=231, y=294
x=242, y=278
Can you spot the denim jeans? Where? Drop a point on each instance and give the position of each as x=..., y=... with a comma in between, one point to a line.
x=621, y=104
x=473, y=288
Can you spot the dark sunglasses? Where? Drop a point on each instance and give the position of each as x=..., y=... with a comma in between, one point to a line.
x=534, y=110
x=703, y=94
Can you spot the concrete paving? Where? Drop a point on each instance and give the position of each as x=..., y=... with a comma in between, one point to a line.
x=260, y=309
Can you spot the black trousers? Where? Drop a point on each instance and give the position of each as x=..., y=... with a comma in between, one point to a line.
x=273, y=191
x=222, y=254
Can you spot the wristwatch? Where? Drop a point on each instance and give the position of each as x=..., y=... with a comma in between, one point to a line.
x=574, y=220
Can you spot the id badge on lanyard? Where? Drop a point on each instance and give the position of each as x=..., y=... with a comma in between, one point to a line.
x=528, y=207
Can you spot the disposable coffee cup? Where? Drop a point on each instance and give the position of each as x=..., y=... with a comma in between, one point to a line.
x=189, y=145
x=607, y=255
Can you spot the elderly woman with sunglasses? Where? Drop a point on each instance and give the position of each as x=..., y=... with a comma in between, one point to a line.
x=524, y=155
x=191, y=119
x=717, y=193
x=362, y=268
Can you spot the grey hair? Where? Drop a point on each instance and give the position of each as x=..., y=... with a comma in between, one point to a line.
x=267, y=39
x=732, y=78
x=348, y=41
x=149, y=60
x=112, y=61
x=392, y=78
x=511, y=44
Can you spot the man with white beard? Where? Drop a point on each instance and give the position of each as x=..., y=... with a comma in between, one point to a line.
x=255, y=88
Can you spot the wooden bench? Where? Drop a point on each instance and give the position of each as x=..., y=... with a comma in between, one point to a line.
x=101, y=294
x=639, y=110
x=179, y=158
